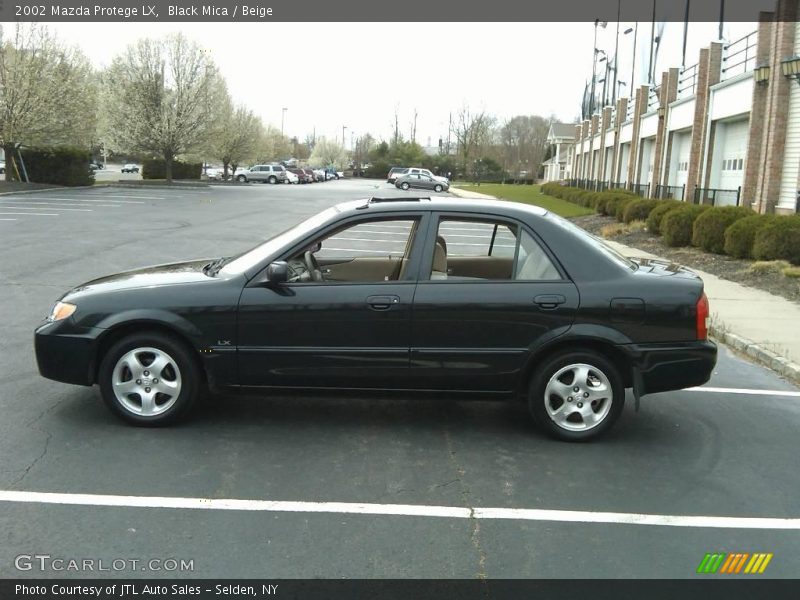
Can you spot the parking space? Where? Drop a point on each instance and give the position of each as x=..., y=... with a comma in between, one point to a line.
x=359, y=486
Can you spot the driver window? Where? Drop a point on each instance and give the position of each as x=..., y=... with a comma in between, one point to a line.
x=365, y=252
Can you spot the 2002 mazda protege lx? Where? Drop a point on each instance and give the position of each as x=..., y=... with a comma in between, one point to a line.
x=488, y=298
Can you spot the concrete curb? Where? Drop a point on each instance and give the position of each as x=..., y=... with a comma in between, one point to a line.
x=459, y=193
x=106, y=184
x=52, y=189
x=781, y=365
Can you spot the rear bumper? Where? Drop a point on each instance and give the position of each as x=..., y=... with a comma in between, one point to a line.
x=674, y=366
x=66, y=357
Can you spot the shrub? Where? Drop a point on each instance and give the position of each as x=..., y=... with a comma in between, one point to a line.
x=709, y=229
x=58, y=165
x=677, y=225
x=779, y=240
x=657, y=214
x=764, y=267
x=622, y=205
x=156, y=168
x=740, y=236
x=638, y=210
x=793, y=272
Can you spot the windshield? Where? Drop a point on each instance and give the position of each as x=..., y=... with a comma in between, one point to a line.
x=595, y=241
x=251, y=258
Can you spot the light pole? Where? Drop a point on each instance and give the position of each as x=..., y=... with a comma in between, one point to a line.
x=343, y=142
x=635, y=31
x=283, y=117
x=595, y=52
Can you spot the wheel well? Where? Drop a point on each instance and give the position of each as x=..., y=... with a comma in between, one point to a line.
x=606, y=349
x=123, y=330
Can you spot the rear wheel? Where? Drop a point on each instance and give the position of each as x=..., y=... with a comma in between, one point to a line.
x=576, y=395
x=273, y=180
x=150, y=379
x=405, y=185
x=241, y=179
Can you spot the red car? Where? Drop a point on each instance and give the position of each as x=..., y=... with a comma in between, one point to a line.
x=302, y=176
x=310, y=175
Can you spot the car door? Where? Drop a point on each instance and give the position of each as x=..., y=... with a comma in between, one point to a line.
x=350, y=330
x=488, y=292
x=425, y=182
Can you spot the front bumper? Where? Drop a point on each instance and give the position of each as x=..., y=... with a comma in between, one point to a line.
x=66, y=354
x=675, y=366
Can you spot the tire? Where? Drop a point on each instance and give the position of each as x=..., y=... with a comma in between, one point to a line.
x=174, y=387
x=241, y=179
x=273, y=180
x=583, y=420
x=437, y=188
x=405, y=185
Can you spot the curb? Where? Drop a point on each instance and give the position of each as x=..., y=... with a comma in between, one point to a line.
x=781, y=365
x=459, y=193
x=51, y=189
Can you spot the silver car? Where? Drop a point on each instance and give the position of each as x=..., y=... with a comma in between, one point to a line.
x=421, y=181
x=263, y=173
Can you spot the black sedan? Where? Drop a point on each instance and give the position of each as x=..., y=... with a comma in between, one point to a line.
x=475, y=298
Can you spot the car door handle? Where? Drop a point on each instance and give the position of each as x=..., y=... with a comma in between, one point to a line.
x=549, y=300
x=382, y=302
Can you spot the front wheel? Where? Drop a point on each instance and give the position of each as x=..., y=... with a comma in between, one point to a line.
x=241, y=179
x=273, y=180
x=404, y=186
x=576, y=395
x=150, y=379
x=437, y=188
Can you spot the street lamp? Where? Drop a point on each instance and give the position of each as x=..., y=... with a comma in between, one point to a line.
x=283, y=117
x=635, y=31
x=343, y=128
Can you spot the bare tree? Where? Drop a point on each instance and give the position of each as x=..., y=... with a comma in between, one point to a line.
x=328, y=153
x=160, y=96
x=272, y=145
x=523, y=141
x=236, y=140
x=471, y=130
x=47, y=95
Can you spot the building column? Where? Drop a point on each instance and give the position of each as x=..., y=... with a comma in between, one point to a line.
x=619, y=119
x=758, y=114
x=605, y=122
x=777, y=113
x=639, y=108
x=667, y=95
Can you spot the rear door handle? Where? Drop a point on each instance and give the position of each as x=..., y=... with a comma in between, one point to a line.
x=382, y=302
x=549, y=300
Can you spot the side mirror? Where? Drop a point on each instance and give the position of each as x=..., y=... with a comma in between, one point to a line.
x=277, y=273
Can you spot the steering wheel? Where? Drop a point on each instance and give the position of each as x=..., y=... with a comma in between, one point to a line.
x=313, y=266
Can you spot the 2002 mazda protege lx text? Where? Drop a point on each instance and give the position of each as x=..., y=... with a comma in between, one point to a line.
x=485, y=298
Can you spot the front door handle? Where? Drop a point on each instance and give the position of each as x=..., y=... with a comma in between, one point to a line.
x=382, y=302
x=549, y=300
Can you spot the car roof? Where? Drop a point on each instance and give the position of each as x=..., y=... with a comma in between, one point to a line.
x=415, y=204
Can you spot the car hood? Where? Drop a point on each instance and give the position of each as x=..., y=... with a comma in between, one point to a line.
x=653, y=266
x=157, y=275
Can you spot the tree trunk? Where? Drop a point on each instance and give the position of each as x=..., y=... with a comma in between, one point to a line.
x=8, y=151
x=168, y=166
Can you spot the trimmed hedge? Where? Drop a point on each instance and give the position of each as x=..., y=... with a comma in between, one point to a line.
x=622, y=205
x=658, y=213
x=740, y=236
x=779, y=240
x=58, y=165
x=709, y=228
x=677, y=225
x=156, y=168
x=638, y=210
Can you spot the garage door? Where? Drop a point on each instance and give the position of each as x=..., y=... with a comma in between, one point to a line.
x=679, y=165
x=732, y=152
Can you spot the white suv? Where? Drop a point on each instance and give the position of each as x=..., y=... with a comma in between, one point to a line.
x=263, y=173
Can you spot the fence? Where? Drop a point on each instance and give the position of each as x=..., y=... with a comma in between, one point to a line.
x=717, y=197
x=653, y=101
x=670, y=192
x=740, y=56
x=687, y=82
x=642, y=189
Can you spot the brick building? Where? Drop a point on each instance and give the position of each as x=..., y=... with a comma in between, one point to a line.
x=722, y=131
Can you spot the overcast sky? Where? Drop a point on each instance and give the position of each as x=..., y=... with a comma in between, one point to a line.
x=356, y=74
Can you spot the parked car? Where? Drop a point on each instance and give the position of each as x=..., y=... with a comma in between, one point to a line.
x=311, y=177
x=291, y=177
x=215, y=174
x=421, y=171
x=130, y=168
x=263, y=173
x=556, y=317
x=302, y=176
x=394, y=173
x=95, y=166
x=419, y=181
x=319, y=175
x=2, y=167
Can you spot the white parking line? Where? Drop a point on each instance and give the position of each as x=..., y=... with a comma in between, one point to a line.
x=64, y=204
x=719, y=390
x=50, y=208
x=406, y=510
x=7, y=219
x=30, y=214
x=129, y=196
x=75, y=199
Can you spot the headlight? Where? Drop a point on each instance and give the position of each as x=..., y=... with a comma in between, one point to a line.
x=61, y=311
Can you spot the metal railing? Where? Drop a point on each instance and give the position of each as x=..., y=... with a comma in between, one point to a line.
x=740, y=56
x=670, y=192
x=631, y=109
x=617, y=185
x=653, y=100
x=717, y=197
x=642, y=189
x=687, y=82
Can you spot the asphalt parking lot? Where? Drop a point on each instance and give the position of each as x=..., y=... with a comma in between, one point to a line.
x=357, y=487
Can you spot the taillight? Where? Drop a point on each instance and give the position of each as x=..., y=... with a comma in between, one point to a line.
x=702, y=317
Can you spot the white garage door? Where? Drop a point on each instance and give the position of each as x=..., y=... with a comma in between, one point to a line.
x=731, y=153
x=679, y=166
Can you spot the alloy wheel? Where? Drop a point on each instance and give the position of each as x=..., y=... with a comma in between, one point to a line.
x=578, y=397
x=146, y=381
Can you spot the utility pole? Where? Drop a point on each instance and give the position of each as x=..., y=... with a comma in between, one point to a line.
x=343, y=128
x=616, y=52
x=652, y=45
x=283, y=116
